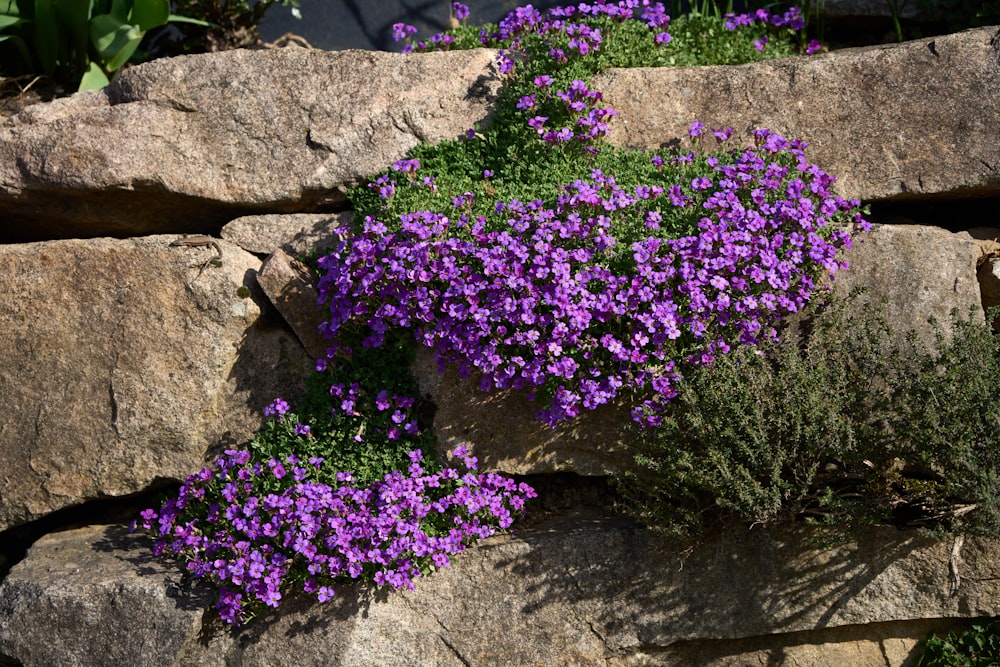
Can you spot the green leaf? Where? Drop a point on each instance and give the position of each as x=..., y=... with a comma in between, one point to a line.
x=148, y=14
x=93, y=78
x=120, y=9
x=175, y=18
x=115, y=41
x=10, y=8
x=73, y=18
x=46, y=36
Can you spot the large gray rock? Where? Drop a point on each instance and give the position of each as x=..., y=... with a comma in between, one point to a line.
x=922, y=117
x=576, y=590
x=921, y=273
x=123, y=362
x=97, y=596
x=187, y=143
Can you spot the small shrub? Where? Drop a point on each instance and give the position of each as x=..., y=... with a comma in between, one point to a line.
x=536, y=257
x=259, y=530
x=836, y=423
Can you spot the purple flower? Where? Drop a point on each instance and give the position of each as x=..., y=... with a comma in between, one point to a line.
x=277, y=408
x=459, y=11
x=401, y=31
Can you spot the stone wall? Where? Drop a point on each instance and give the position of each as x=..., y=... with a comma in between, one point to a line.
x=128, y=360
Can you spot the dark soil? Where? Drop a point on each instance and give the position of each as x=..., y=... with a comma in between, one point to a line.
x=16, y=93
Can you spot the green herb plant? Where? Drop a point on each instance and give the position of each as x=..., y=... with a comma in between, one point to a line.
x=841, y=423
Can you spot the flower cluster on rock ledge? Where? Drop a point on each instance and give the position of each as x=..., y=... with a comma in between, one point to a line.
x=252, y=544
x=603, y=292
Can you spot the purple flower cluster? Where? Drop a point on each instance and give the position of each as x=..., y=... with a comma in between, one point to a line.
x=256, y=547
x=586, y=122
x=568, y=23
x=552, y=300
x=580, y=38
x=277, y=408
x=791, y=19
x=352, y=400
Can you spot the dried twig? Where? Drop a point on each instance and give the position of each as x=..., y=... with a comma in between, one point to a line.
x=285, y=40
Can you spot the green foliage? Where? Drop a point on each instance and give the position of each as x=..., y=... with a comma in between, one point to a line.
x=839, y=421
x=976, y=647
x=77, y=43
x=952, y=416
x=356, y=443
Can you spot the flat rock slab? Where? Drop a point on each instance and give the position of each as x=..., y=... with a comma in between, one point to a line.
x=577, y=590
x=918, y=118
x=124, y=362
x=188, y=143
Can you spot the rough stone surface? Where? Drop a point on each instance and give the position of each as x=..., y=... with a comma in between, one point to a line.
x=918, y=118
x=922, y=272
x=291, y=288
x=97, y=596
x=188, y=143
x=577, y=590
x=124, y=362
x=987, y=240
x=295, y=233
x=500, y=428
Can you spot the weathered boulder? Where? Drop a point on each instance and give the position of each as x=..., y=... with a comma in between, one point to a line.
x=922, y=273
x=918, y=118
x=124, y=361
x=500, y=428
x=576, y=590
x=187, y=143
x=295, y=233
x=97, y=595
